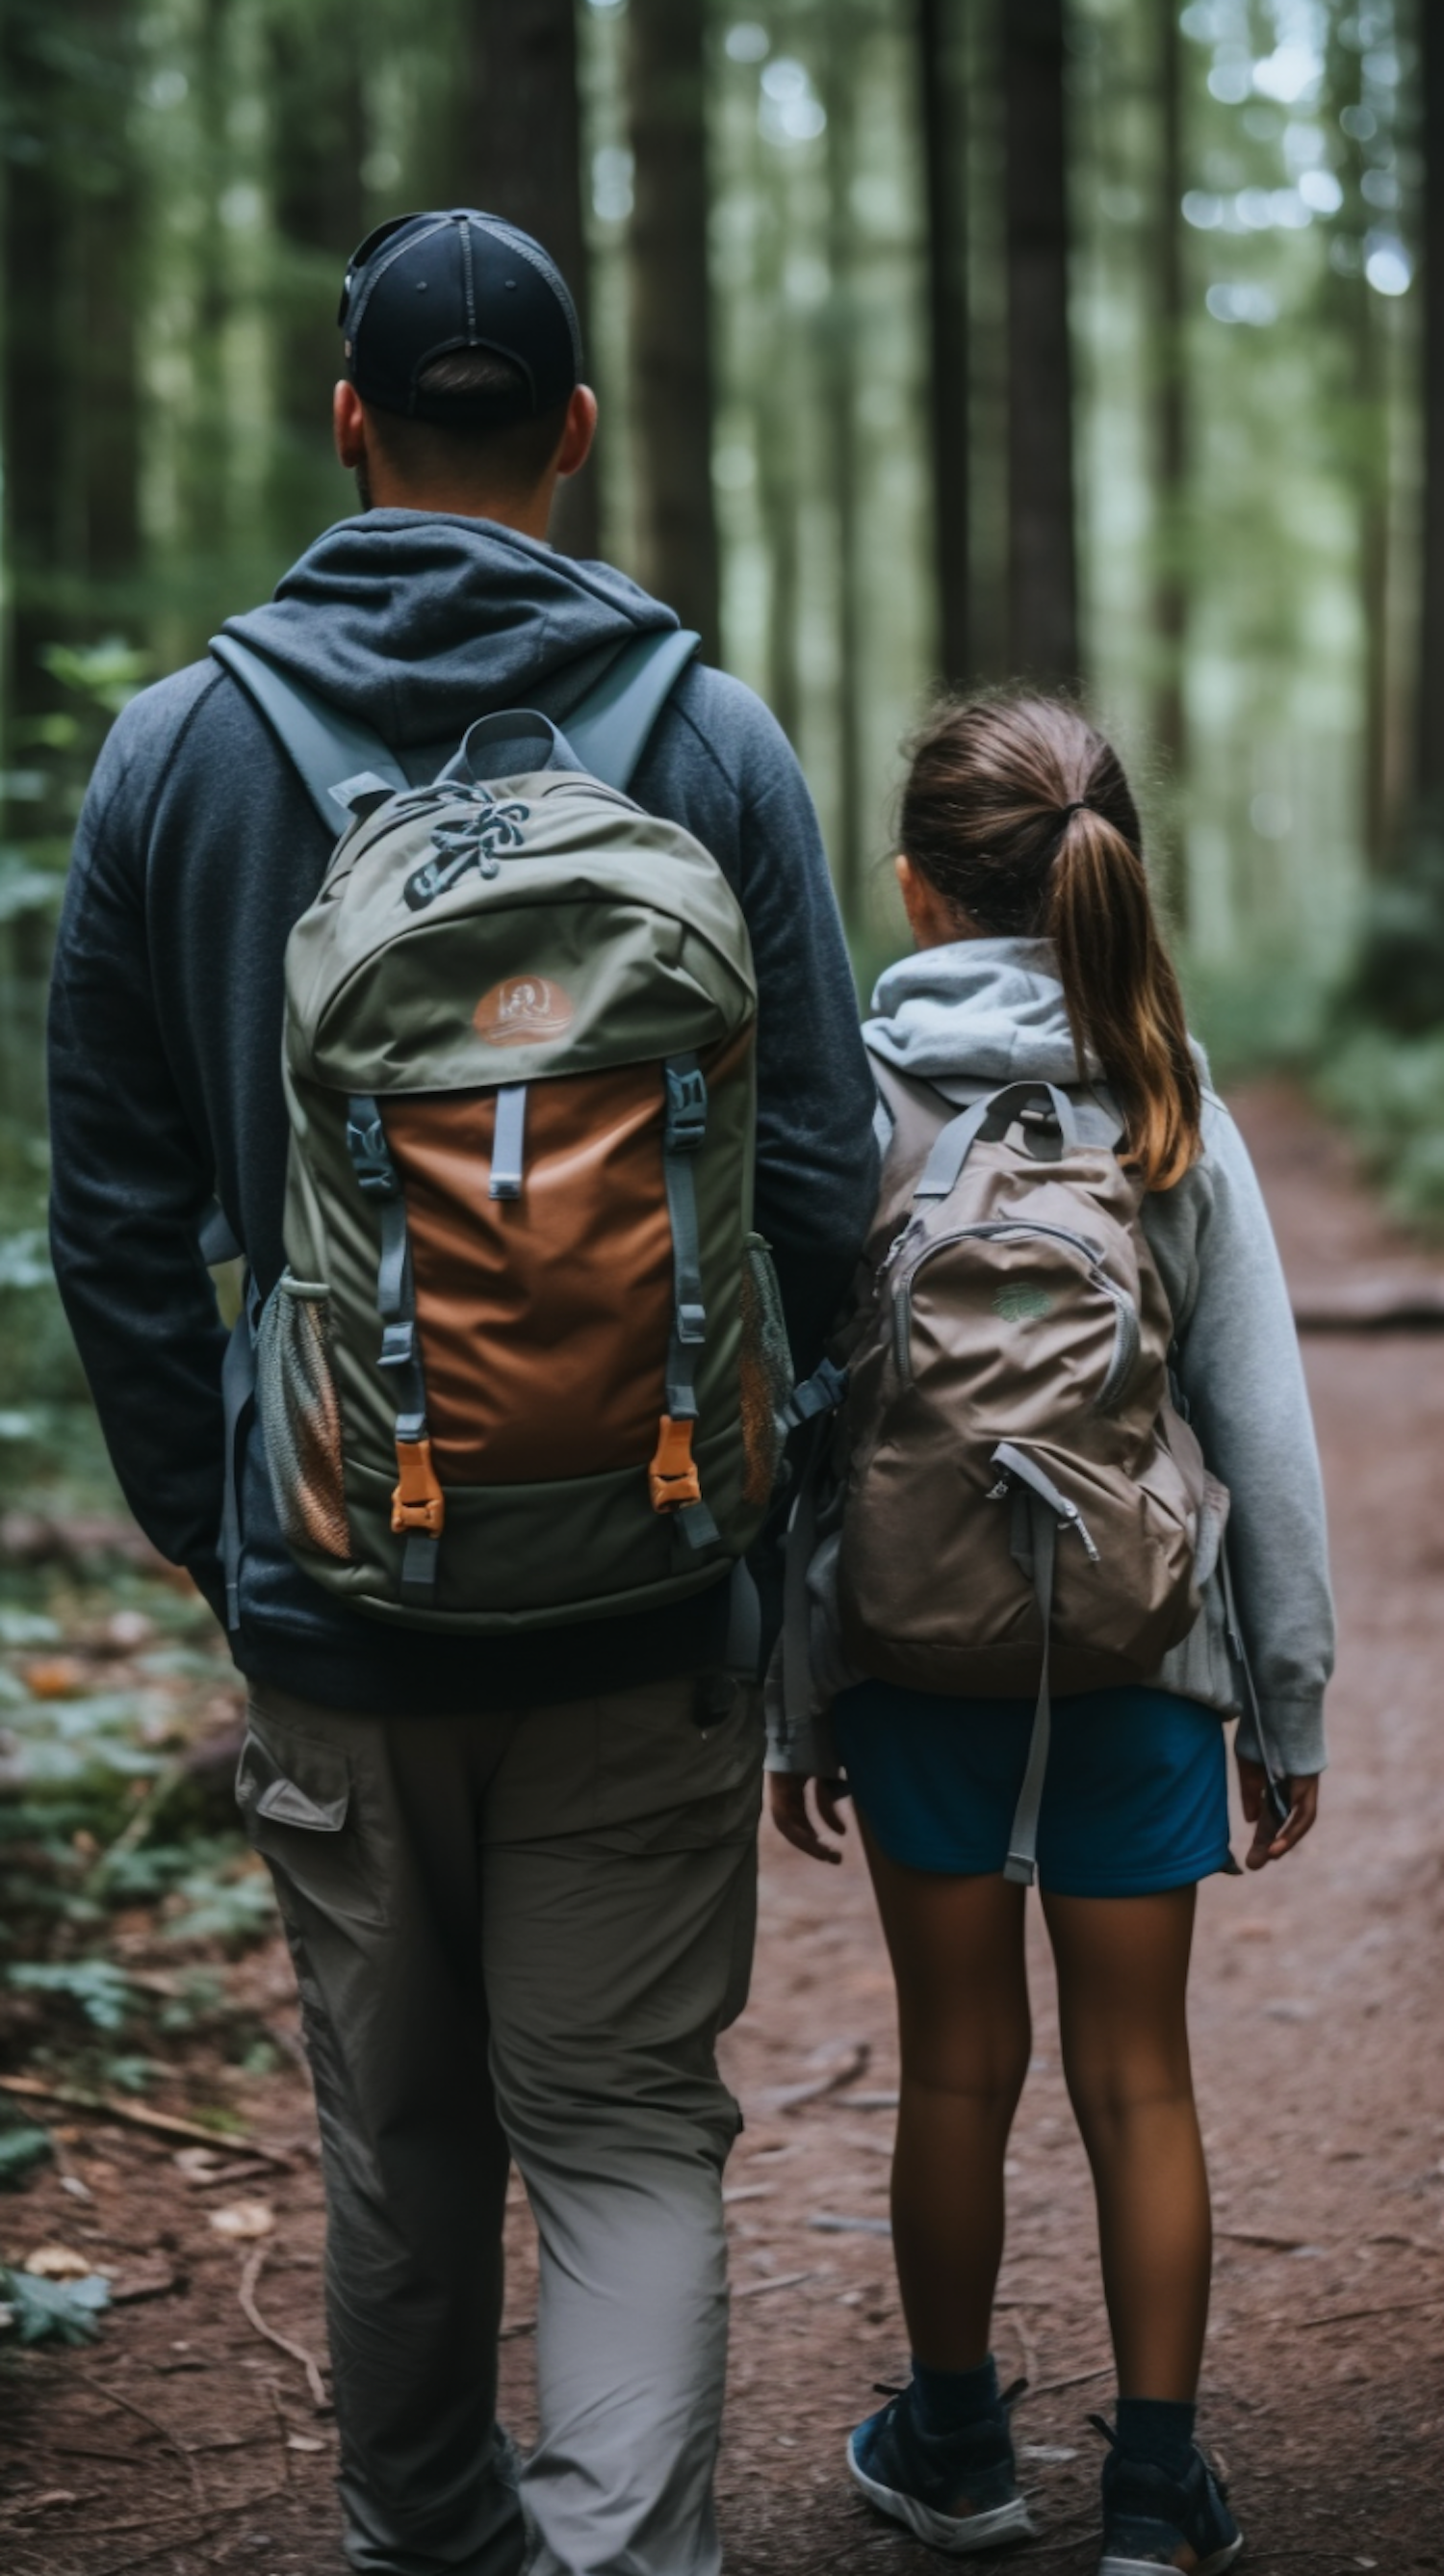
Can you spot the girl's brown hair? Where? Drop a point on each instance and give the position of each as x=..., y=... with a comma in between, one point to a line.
x=1019, y=814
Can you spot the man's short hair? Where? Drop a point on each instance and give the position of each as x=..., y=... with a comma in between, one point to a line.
x=513, y=455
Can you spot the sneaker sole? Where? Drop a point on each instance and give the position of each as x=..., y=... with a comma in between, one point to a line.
x=957, y=2537
x=1213, y=2566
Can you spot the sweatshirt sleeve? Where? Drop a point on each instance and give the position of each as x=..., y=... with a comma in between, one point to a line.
x=131, y=1178
x=1243, y=1377
x=816, y=1154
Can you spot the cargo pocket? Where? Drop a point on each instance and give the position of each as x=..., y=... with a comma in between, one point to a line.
x=766, y=1371
x=301, y=1417
x=296, y=1802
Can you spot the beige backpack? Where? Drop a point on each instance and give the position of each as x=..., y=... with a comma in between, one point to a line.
x=1023, y=1502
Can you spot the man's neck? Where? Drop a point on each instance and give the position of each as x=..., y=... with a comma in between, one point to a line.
x=529, y=513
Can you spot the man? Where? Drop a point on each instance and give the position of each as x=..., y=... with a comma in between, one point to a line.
x=517, y=1875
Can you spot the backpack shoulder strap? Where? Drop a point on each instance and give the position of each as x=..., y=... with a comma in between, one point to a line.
x=611, y=727
x=328, y=749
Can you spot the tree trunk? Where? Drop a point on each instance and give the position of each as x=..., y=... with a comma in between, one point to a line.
x=1429, y=750
x=1170, y=712
x=318, y=130
x=108, y=226
x=71, y=392
x=522, y=158
x=671, y=345
x=944, y=126
x=840, y=400
x=36, y=374
x=1042, y=575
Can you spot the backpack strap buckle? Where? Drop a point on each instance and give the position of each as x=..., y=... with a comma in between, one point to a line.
x=417, y=1501
x=686, y=1106
x=672, y=1475
x=366, y=1144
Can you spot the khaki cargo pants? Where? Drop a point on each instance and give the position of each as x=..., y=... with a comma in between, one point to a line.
x=518, y=1937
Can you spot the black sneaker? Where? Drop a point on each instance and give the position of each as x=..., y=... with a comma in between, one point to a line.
x=1152, y=2520
x=956, y=2491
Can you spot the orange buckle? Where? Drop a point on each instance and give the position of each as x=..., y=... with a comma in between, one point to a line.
x=672, y=1475
x=417, y=1502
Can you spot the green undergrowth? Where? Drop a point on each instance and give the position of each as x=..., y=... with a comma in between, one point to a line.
x=131, y=1897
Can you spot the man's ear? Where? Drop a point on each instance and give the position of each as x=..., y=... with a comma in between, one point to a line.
x=348, y=426
x=580, y=430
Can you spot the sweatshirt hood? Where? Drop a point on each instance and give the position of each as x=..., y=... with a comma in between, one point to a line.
x=416, y=622
x=982, y=1010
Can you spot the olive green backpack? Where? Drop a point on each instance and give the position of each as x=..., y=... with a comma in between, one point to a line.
x=526, y=1363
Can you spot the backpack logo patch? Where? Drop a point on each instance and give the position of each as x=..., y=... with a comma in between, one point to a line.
x=472, y=843
x=1021, y=1304
x=524, y=1010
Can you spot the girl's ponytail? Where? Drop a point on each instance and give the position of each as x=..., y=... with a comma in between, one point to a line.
x=1122, y=993
x=1021, y=816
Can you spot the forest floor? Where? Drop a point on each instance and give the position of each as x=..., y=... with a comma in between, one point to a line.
x=182, y=2440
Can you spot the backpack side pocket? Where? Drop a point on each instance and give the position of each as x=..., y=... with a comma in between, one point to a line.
x=300, y=1413
x=766, y=1371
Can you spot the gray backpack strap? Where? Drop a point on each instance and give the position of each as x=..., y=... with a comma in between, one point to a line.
x=992, y=1117
x=329, y=750
x=1040, y=1512
x=610, y=729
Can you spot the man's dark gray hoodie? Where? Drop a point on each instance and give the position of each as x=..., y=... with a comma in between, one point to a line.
x=197, y=850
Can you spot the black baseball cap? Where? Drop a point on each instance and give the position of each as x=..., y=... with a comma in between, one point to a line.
x=424, y=285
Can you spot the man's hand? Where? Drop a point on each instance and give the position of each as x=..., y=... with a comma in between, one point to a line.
x=787, y=1805
x=1271, y=1839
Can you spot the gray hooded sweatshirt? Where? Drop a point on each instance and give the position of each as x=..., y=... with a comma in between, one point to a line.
x=992, y=1010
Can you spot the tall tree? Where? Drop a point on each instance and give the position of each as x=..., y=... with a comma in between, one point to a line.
x=521, y=157
x=72, y=222
x=317, y=127
x=1429, y=755
x=944, y=125
x=845, y=33
x=1170, y=714
x=671, y=335
x=1042, y=553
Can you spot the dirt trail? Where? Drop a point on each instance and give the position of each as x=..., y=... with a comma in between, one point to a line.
x=185, y=2442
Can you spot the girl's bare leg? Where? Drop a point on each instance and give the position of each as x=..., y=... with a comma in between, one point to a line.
x=957, y=1953
x=1122, y=1987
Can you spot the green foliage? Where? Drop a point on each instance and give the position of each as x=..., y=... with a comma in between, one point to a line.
x=104, y=1993
x=127, y=1891
x=1399, y=978
x=1389, y=1091
x=22, y=2147
x=107, y=675
x=37, y=2311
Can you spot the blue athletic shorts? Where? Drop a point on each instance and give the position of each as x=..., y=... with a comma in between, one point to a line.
x=1135, y=1798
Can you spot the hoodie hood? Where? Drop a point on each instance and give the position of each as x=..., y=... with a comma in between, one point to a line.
x=978, y=1010
x=416, y=622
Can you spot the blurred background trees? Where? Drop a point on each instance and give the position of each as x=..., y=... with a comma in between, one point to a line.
x=1099, y=341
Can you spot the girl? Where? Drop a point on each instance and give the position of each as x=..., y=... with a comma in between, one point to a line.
x=1038, y=959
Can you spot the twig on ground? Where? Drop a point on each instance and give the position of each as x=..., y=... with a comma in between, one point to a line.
x=250, y=2275
x=1382, y=2308
x=523, y=2326
x=282, y=2427
x=133, y=2115
x=171, y=2440
x=1076, y=2379
x=775, y=2281
x=1261, y=2236
x=792, y=2097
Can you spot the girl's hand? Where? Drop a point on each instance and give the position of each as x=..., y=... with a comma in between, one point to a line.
x=787, y=1805
x=1271, y=1840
